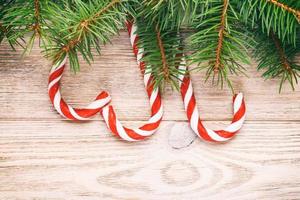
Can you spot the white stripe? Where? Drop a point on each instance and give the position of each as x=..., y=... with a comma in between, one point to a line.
x=74, y=114
x=56, y=103
x=215, y=136
x=237, y=102
x=153, y=96
x=157, y=116
x=194, y=121
x=99, y=103
x=144, y=133
x=122, y=132
x=133, y=34
x=182, y=69
x=188, y=95
x=58, y=65
x=105, y=115
x=235, y=126
x=139, y=56
x=147, y=76
x=54, y=82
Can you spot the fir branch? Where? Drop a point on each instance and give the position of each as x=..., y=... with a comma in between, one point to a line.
x=221, y=36
x=84, y=27
x=277, y=59
x=81, y=26
x=281, y=17
x=220, y=43
x=168, y=13
x=286, y=7
x=163, y=55
x=284, y=61
x=36, y=26
x=23, y=17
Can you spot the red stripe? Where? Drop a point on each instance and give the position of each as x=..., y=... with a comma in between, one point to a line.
x=135, y=47
x=112, y=121
x=65, y=110
x=225, y=134
x=156, y=105
x=129, y=26
x=52, y=91
x=56, y=74
x=240, y=113
x=151, y=127
x=202, y=131
x=191, y=107
x=86, y=113
x=132, y=134
x=184, y=86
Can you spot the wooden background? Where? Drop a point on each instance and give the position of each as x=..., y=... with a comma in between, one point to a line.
x=43, y=156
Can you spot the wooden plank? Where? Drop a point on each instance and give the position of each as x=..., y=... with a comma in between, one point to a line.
x=59, y=160
x=23, y=89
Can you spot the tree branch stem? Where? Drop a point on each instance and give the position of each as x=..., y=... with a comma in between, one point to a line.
x=287, y=8
x=85, y=23
x=163, y=54
x=281, y=53
x=221, y=36
x=36, y=26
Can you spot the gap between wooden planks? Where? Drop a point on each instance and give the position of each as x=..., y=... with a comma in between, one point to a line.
x=43, y=156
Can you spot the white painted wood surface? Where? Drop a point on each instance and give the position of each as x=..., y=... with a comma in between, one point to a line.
x=43, y=156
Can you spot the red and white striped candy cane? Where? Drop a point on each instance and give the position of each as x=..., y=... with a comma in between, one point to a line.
x=151, y=126
x=187, y=93
x=62, y=107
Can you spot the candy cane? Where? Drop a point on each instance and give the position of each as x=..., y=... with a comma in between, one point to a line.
x=151, y=126
x=62, y=107
x=187, y=93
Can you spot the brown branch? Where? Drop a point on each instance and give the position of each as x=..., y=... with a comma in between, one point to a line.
x=285, y=62
x=218, y=64
x=163, y=54
x=85, y=23
x=36, y=27
x=3, y=28
x=287, y=8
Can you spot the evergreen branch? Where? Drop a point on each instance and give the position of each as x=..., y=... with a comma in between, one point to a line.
x=286, y=7
x=277, y=58
x=81, y=26
x=168, y=13
x=221, y=37
x=284, y=61
x=163, y=54
x=220, y=43
x=23, y=17
x=84, y=27
x=282, y=17
x=36, y=26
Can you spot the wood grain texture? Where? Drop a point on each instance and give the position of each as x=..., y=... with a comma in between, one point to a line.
x=43, y=156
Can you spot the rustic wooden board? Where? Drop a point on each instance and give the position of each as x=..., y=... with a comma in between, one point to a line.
x=59, y=160
x=43, y=156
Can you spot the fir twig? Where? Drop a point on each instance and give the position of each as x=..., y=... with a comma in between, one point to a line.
x=163, y=55
x=84, y=27
x=220, y=43
x=277, y=58
x=286, y=7
x=221, y=37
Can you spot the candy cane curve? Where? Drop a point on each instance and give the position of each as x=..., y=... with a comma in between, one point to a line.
x=62, y=107
x=153, y=123
x=187, y=93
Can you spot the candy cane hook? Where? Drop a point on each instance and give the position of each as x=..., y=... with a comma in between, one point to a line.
x=151, y=126
x=62, y=107
x=187, y=93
